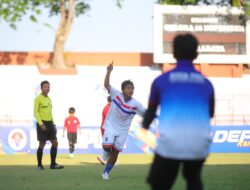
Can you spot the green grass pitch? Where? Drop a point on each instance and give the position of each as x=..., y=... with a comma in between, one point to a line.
x=18, y=172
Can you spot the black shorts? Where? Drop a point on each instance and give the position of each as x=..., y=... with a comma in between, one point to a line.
x=49, y=134
x=72, y=137
x=164, y=171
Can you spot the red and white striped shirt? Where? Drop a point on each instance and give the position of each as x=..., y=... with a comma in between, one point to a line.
x=121, y=113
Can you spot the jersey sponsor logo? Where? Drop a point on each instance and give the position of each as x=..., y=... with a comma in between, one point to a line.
x=240, y=137
x=185, y=77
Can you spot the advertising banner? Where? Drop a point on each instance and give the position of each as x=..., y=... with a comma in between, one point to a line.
x=24, y=140
x=14, y=140
x=230, y=139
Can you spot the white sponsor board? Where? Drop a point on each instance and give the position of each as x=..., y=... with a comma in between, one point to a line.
x=21, y=84
x=84, y=91
x=222, y=35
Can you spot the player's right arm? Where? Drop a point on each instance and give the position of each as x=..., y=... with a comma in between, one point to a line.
x=149, y=116
x=212, y=103
x=107, y=77
x=78, y=126
x=37, y=115
x=152, y=106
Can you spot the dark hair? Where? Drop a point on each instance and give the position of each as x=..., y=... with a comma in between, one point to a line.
x=125, y=83
x=44, y=82
x=109, y=98
x=185, y=47
x=72, y=110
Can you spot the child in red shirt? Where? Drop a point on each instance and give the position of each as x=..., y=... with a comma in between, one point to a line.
x=103, y=158
x=71, y=124
x=105, y=113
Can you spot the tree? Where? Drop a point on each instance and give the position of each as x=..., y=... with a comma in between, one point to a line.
x=194, y=2
x=177, y=2
x=13, y=11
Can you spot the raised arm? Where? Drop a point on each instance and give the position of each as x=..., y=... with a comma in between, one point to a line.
x=106, y=80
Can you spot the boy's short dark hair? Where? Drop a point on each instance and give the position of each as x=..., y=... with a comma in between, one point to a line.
x=185, y=47
x=72, y=110
x=44, y=82
x=125, y=83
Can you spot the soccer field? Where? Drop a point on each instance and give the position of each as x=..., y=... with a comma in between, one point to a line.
x=18, y=172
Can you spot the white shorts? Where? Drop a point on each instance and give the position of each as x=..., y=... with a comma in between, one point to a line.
x=116, y=141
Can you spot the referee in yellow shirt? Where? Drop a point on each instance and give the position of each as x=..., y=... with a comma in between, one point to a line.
x=45, y=126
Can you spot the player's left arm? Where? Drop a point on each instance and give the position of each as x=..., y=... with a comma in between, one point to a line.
x=51, y=112
x=152, y=106
x=149, y=115
x=78, y=126
x=212, y=104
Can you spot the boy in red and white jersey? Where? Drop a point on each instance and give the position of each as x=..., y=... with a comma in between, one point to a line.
x=122, y=111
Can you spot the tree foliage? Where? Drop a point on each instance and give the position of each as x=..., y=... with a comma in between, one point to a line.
x=12, y=11
x=178, y=2
x=195, y=2
x=245, y=4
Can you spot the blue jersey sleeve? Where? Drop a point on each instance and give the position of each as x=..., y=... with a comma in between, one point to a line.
x=154, y=98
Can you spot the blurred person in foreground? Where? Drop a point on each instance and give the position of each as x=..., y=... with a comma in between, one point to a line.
x=185, y=99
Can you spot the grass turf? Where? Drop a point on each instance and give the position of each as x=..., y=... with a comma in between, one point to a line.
x=221, y=172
